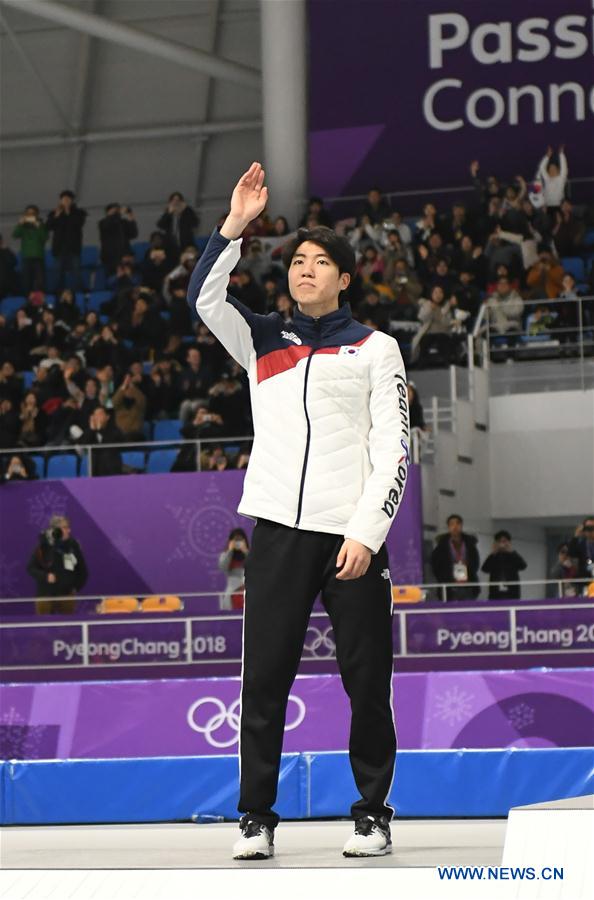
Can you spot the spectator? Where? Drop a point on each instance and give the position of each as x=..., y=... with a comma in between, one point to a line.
x=376, y=207
x=18, y=468
x=371, y=310
x=175, y=288
x=142, y=324
x=565, y=571
x=116, y=229
x=442, y=277
x=415, y=408
x=248, y=291
x=284, y=306
x=394, y=250
x=9, y=282
x=545, y=277
x=427, y=224
x=67, y=312
x=32, y=234
x=204, y=425
x=470, y=258
x=194, y=382
x=33, y=420
x=581, y=549
x=456, y=225
x=178, y=223
x=455, y=561
x=568, y=231
x=437, y=332
x=155, y=268
x=66, y=223
x=468, y=295
x=104, y=349
x=102, y=430
x=554, y=179
x=11, y=385
x=316, y=208
x=9, y=422
x=229, y=400
x=163, y=393
x=407, y=291
x=232, y=563
x=505, y=308
x=540, y=322
x=503, y=565
x=500, y=251
x=567, y=321
x=58, y=567
x=255, y=260
x=487, y=190
x=129, y=404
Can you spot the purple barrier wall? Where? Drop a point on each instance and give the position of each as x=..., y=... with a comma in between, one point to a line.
x=157, y=533
x=201, y=716
x=455, y=636
x=392, y=91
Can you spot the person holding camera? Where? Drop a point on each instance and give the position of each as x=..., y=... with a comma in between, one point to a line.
x=178, y=223
x=32, y=234
x=232, y=563
x=116, y=229
x=58, y=566
x=66, y=222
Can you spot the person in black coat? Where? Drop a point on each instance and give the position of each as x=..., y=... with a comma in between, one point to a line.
x=581, y=549
x=503, y=565
x=66, y=223
x=117, y=228
x=455, y=560
x=178, y=222
x=58, y=566
x=102, y=430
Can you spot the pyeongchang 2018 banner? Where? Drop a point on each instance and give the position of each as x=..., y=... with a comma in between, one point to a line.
x=403, y=94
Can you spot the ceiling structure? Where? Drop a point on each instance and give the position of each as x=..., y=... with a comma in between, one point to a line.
x=127, y=101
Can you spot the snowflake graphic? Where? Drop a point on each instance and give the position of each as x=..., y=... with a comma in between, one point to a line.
x=521, y=716
x=453, y=706
x=44, y=504
x=202, y=531
x=9, y=581
x=11, y=717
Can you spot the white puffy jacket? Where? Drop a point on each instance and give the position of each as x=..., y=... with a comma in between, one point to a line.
x=329, y=403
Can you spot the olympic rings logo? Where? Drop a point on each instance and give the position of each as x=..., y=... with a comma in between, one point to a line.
x=230, y=717
x=321, y=640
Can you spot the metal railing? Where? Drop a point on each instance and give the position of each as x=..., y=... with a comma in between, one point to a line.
x=430, y=592
x=573, y=343
x=86, y=451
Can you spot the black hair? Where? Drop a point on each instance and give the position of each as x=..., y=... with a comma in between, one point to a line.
x=32, y=206
x=111, y=206
x=587, y=519
x=454, y=516
x=237, y=533
x=503, y=534
x=338, y=248
x=176, y=194
x=67, y=194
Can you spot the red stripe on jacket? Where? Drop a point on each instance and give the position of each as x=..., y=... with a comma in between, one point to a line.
x=278, y=361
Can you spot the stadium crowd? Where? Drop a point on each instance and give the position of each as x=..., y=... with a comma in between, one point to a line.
x=82, y=366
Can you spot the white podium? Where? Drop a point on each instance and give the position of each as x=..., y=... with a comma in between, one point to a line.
x=557, y=835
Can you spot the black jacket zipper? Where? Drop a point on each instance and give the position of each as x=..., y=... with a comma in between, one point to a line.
x=307, y=441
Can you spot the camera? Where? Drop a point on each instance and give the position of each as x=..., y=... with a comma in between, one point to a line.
x=53, y=535
x=238, y=545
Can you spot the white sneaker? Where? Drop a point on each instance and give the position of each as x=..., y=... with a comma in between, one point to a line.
x=372, y=837
x=256, y=841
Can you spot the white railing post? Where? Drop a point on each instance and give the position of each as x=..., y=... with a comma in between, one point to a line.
x=89, y=461
x=435, y=414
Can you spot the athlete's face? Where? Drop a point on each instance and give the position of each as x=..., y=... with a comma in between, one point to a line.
x=314, y=280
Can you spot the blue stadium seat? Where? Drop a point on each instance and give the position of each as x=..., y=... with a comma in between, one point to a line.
x=90, y=257
x=83, y=468
x=80, y=302
x=134, y=458
x=161, y=461
x=64, y=465
x=96, y=298
x=147, y=430
x=9, y=305
x=167, y=430
x=39, y=462
x=28, y=379
x=99, y=279
x=589, y=238
x=574, y=265
x=139, y=249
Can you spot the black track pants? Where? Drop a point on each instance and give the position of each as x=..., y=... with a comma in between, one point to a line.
x=285, y=570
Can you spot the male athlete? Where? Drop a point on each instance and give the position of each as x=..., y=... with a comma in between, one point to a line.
x=325, y=480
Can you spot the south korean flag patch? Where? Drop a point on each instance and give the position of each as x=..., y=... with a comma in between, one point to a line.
x=349, y=351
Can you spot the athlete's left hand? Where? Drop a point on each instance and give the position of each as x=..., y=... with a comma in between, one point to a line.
x=353, y=560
